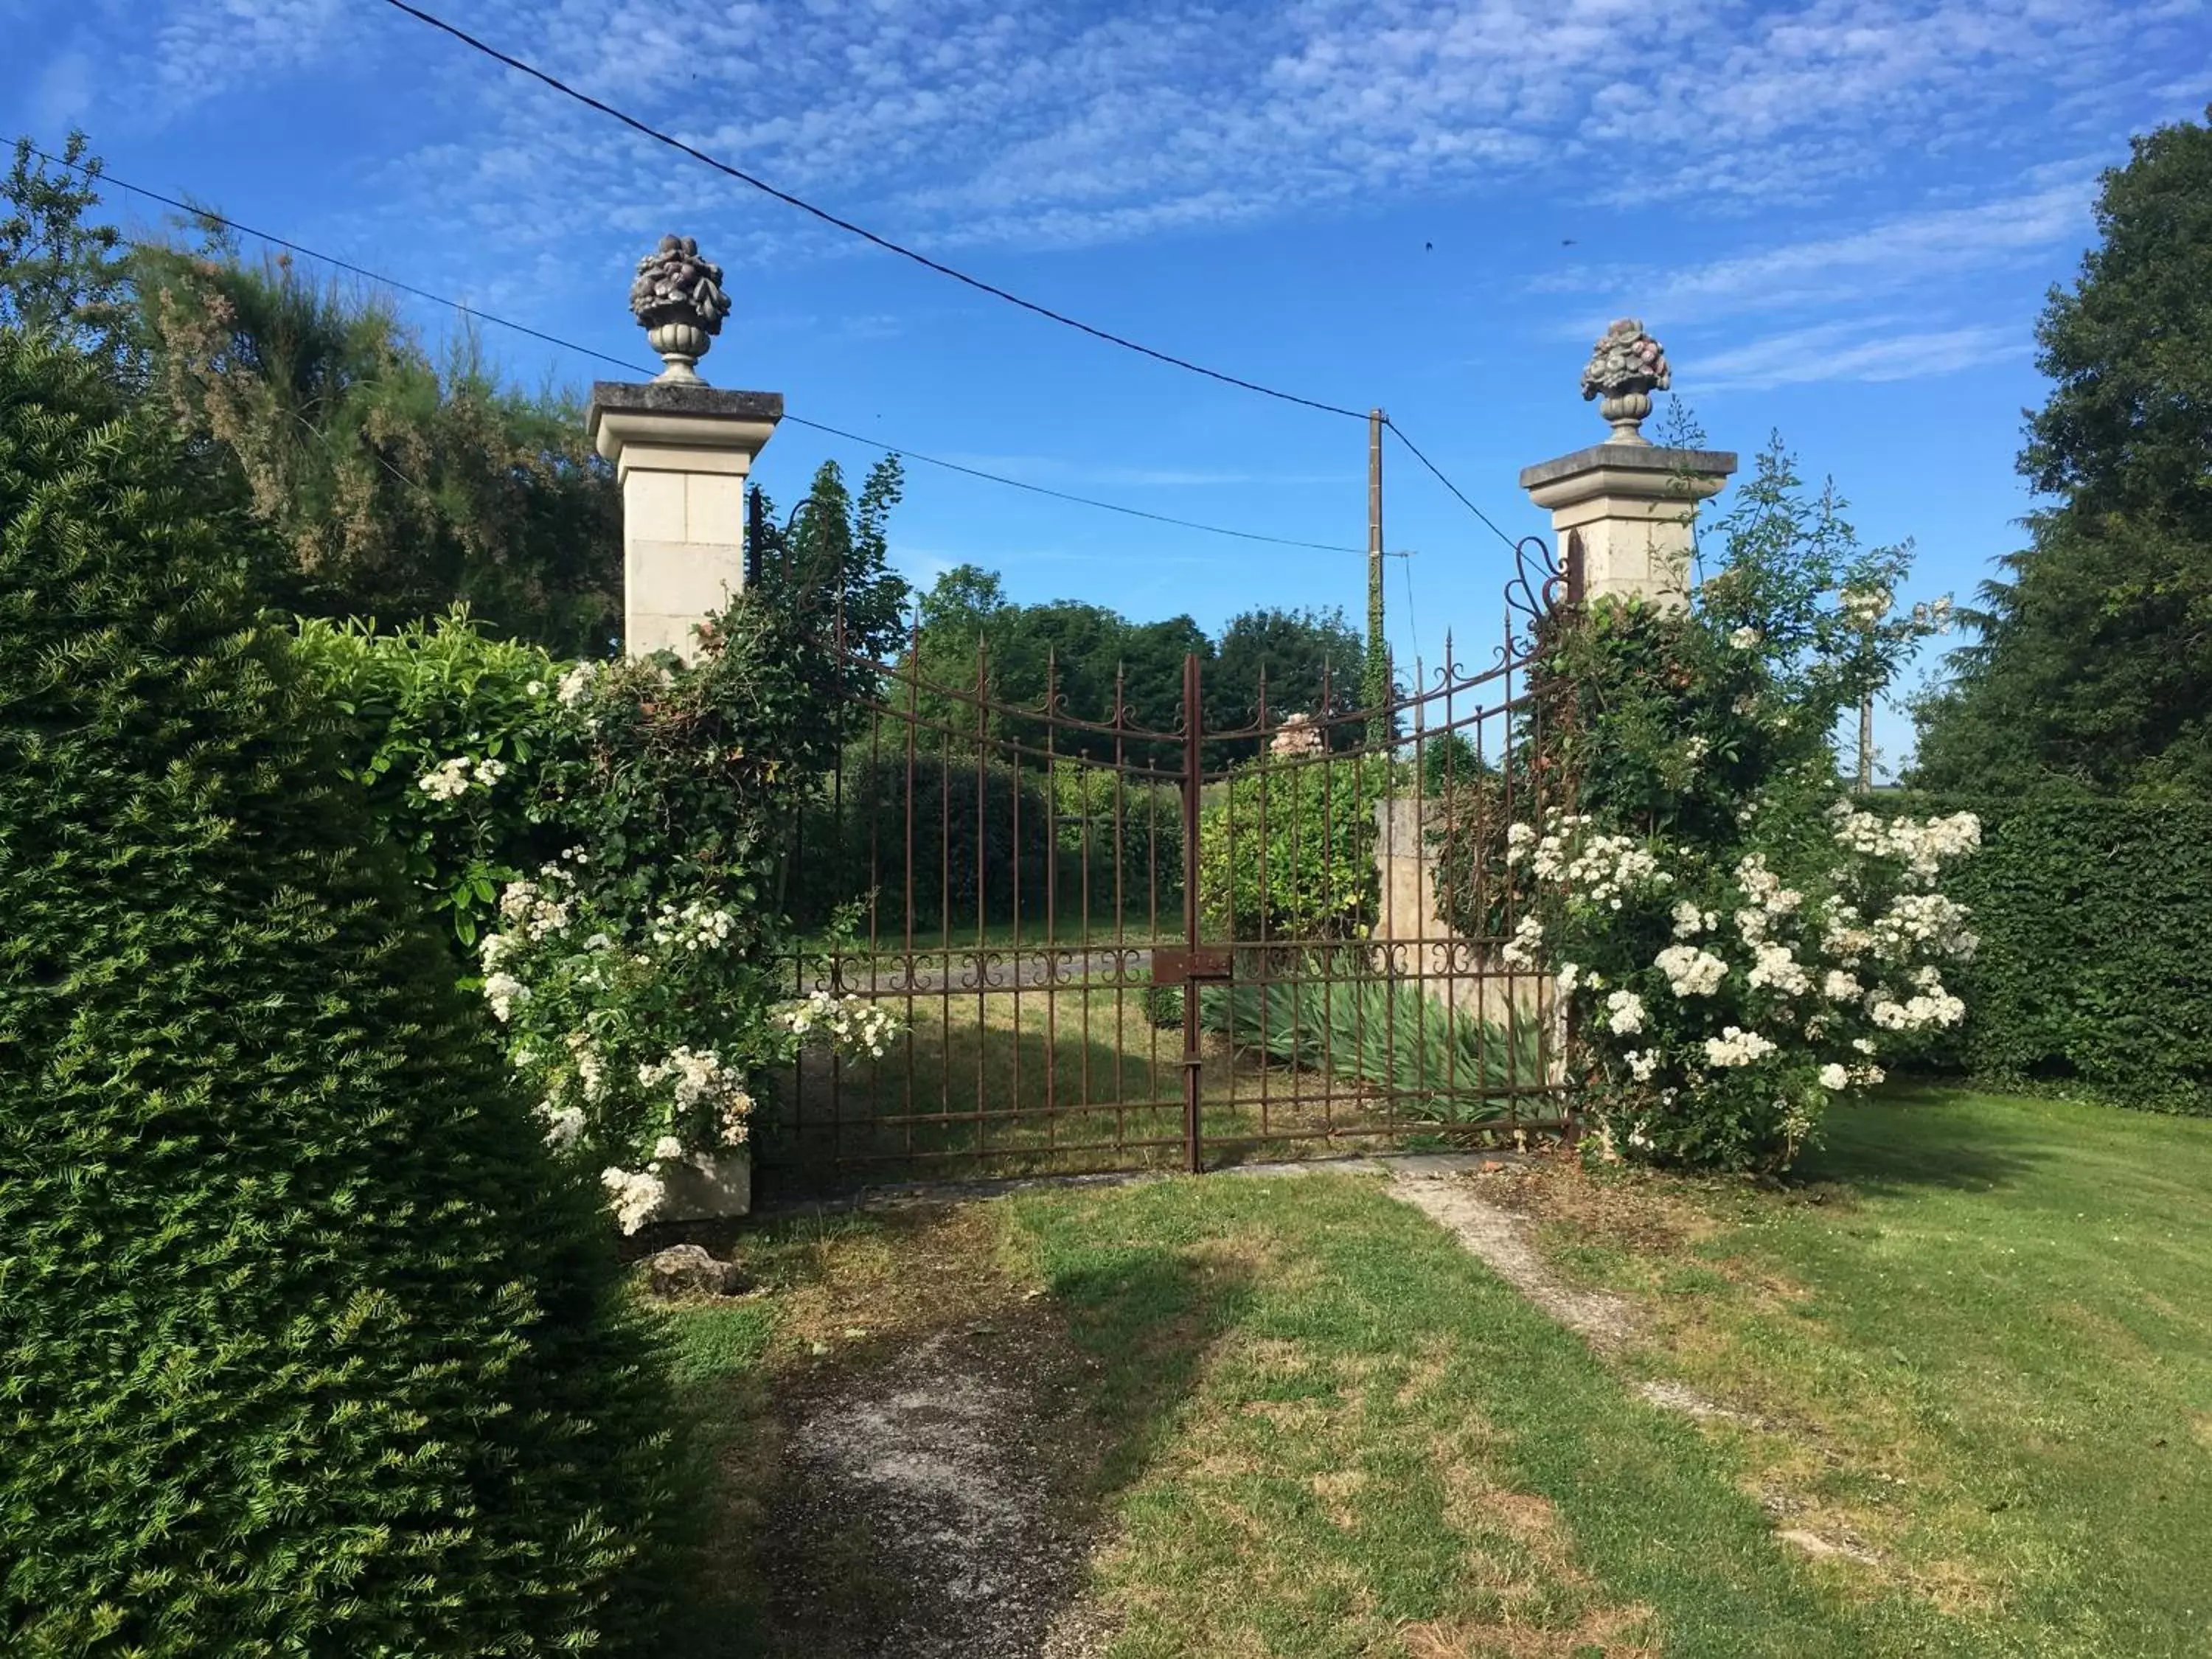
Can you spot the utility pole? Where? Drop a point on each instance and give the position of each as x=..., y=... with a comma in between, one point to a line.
x=1866, y=741
x=1375, y=686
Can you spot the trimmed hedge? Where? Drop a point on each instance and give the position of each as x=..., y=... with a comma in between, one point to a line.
x=2095, y=966
x=305, y=1347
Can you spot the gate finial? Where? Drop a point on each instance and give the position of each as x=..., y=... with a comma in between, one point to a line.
x=1626, y=366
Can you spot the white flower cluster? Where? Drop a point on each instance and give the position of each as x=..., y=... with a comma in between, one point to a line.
x=851, y=1022
x=1865, y=606
x=1765, y=888
x=1519, y=950
x=1624, y=1013
x=564, y=1125
x=591, y=1069
x=1745, y=637
x=1933, y=618
x=1840, y=987
x=699, y=1077
x=1690, y=971
x=698, y=926
x=451, y=779
x=1607, y=866
x=1690, y=921
x=1736, y=1047
x=1923, y=921
x=1772, y=964
x=504, y=992
x=634, y=1194
x=1547, y=853
x=577, y=684
x=534, y=908
x=1923, y=846
x=1841, y=935
x=1696, y=749
x=1835, y=1075
x=1934, y=1006
x=1641, y=1066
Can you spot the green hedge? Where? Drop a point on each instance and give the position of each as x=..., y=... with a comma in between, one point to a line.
x=2095, y=966
x=305, y=1347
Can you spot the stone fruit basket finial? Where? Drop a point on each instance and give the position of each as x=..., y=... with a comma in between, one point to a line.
x=678, y=298
x=1625, y=368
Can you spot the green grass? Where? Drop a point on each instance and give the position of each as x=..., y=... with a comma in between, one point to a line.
x=1308, y=1424
x=1053, y=1081
x=1302, y=1421
x=1981, y=1340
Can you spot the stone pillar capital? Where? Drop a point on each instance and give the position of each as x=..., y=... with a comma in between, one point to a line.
x=682, y=451
x=1632, y=505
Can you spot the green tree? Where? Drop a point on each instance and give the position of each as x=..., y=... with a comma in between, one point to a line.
x=1309, y=662
x=400, y=485
x=833, y=558
x=1089, y=654
x=308, y=1348
x=60, y=277
x=2092, y=667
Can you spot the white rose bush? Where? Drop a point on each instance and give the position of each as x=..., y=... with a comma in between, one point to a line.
x=641, y=1036
x=1719, y=1009
x=1734, y=944
x=607, y=837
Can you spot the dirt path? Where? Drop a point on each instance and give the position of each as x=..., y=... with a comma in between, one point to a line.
x=926, y=1498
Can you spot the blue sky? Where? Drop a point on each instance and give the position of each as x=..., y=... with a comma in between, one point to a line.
x=1840, y=216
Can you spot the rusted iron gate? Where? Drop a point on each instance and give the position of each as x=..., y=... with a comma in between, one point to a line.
x=1120, y=938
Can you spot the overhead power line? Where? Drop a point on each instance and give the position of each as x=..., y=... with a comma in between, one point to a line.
x=1083, y=501
x=848, y=225
x=1447, y=484
x=209, y=217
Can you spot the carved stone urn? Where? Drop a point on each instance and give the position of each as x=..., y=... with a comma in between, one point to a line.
x=1625, y=368
x=678, y=298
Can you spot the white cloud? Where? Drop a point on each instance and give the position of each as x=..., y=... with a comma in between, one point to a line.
x=1883, y=258
x=960, y=124
x=1856, y=350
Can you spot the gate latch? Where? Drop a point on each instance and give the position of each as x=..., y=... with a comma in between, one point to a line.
x=1192, y=964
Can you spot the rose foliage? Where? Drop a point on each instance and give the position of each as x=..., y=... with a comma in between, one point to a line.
x=608, y=837
x=1736, y=944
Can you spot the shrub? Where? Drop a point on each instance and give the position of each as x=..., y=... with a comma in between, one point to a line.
x=1735, y=945
x=2095, y=962
x=308, y=1348
x=445, y=726
x=640, y=975
x=1434, y=1061
x=1287, y=851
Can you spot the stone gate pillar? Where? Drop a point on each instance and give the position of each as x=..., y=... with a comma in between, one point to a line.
x=682, y=450
x=1632, y=503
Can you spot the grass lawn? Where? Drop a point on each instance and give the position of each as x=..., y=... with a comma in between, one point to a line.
x=1291, y=1416
x=1979, y=1342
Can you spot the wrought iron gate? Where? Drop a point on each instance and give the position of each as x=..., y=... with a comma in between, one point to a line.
x=1121, y=937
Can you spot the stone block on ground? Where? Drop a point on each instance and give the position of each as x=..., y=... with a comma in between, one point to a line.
x=689, y=1270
